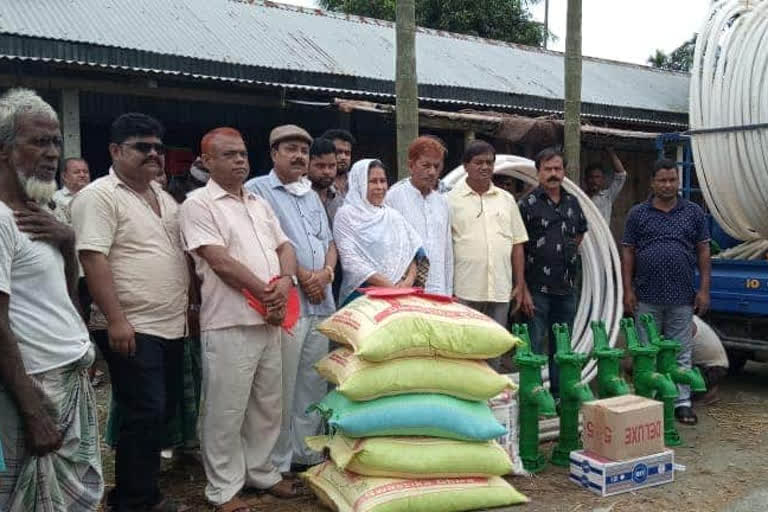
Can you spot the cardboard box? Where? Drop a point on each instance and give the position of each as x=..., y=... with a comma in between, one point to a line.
x=505, y=410
x=624, y=427
x=606, y=477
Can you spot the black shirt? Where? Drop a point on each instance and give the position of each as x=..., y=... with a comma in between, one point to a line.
x=551, y=253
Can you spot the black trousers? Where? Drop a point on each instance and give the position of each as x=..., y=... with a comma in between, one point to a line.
x=146, y=387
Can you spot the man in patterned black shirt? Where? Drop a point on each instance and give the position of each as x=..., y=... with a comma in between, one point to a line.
x=556, y=226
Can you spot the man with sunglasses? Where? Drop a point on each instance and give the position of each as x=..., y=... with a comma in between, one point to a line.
x=488, y=237
x=127, y=233
x=304, y=221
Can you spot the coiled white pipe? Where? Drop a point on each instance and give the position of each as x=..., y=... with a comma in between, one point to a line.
x=601, y=293
x=728, y=89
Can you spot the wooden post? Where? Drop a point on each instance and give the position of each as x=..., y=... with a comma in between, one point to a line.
x=573, y=91
x=69, y=120
x=469, y=136
x=406, y=83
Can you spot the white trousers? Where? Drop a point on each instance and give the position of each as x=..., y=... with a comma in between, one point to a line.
x=302, y=386
x=240, y=410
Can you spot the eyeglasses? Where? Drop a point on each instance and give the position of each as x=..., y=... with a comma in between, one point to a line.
x=146, y=147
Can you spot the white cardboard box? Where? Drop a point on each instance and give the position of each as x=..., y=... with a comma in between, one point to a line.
x=505, y=410
x=607, y=477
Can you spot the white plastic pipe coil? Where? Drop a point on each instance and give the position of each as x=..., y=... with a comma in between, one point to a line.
x=728, y=89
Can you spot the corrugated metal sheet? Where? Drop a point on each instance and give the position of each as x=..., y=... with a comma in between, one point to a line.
x=300, y=41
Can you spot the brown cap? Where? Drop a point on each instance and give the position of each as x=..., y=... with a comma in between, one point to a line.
x=287, y=132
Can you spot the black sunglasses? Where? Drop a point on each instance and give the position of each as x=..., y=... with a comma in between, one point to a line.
x=146, y=147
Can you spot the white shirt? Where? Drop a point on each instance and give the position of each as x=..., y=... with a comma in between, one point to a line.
x=63, y=197
x=605, y=198
x=50, y=332
x=431, y=218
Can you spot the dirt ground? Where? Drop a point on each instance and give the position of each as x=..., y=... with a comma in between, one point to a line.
x=725, y=459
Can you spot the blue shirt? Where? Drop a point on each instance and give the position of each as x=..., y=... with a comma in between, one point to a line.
x=665, y=250
x=305, y=223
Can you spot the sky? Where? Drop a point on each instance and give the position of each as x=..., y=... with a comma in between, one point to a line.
x=624, y=30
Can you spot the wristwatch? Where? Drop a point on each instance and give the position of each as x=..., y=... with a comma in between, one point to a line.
x=293, y=278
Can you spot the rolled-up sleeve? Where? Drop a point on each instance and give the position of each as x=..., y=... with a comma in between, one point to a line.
x=630, y=229
x=94, y=219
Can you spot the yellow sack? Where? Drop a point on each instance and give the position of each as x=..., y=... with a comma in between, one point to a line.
x=414, y=457
x=362, y=380
x=379, y=329
x=347, y=492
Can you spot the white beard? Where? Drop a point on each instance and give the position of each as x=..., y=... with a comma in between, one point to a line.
x=36, y=189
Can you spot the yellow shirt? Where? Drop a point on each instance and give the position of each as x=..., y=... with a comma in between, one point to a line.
x=484, y=229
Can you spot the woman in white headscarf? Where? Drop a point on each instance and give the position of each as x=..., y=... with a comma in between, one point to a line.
x=377, y=246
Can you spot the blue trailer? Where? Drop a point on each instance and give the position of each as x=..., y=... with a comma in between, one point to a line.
x=739, y=288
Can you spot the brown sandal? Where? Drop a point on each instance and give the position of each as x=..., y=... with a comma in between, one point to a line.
x=234, y=505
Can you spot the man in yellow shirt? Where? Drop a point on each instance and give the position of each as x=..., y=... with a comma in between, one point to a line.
x=488, y=237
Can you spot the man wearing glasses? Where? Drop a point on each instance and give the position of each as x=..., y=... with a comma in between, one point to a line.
x=488, y=237
x=556, y=227
x=304, y=221
x=127, y=233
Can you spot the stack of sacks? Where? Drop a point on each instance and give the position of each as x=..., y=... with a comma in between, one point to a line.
x=410, y=426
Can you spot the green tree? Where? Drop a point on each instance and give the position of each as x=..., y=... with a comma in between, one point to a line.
x=681, y=58
x=503, y=20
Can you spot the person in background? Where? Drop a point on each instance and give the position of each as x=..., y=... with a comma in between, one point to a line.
x=603, y=196
x=181, y=185
x=322, y=173
x=343, y=141
x=427, y=211
x=556, y=225
x=666, y=239
x=74, y=177
x=127, y=233
x=488, y=237
x=377, y=246
x=303, y=220
x=48, y=417
x=237, y=244
x=709, y=355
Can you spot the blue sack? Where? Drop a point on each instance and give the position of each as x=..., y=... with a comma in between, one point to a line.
x=417, y=414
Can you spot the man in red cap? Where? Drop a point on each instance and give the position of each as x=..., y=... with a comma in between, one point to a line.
x=237, y=244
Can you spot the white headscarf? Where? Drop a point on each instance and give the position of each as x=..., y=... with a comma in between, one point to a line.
x=371, y=239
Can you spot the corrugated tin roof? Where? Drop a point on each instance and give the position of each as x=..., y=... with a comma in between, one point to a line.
x=307, y=42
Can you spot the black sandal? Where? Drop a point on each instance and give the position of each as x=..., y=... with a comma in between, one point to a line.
x=686, y=416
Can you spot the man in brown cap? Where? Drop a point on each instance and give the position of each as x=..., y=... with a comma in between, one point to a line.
x=304, y=221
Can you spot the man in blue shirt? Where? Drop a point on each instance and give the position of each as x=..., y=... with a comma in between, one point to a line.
x=304, y=221
x=665, y=238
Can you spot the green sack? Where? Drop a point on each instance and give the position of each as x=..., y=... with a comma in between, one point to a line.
x=343, y=491
x=361, y=380
x=414, y=457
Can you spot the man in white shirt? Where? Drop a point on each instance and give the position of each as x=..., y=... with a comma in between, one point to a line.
x=427, y=210
x=48, y=422
x=603, y=196
x=74, y=177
